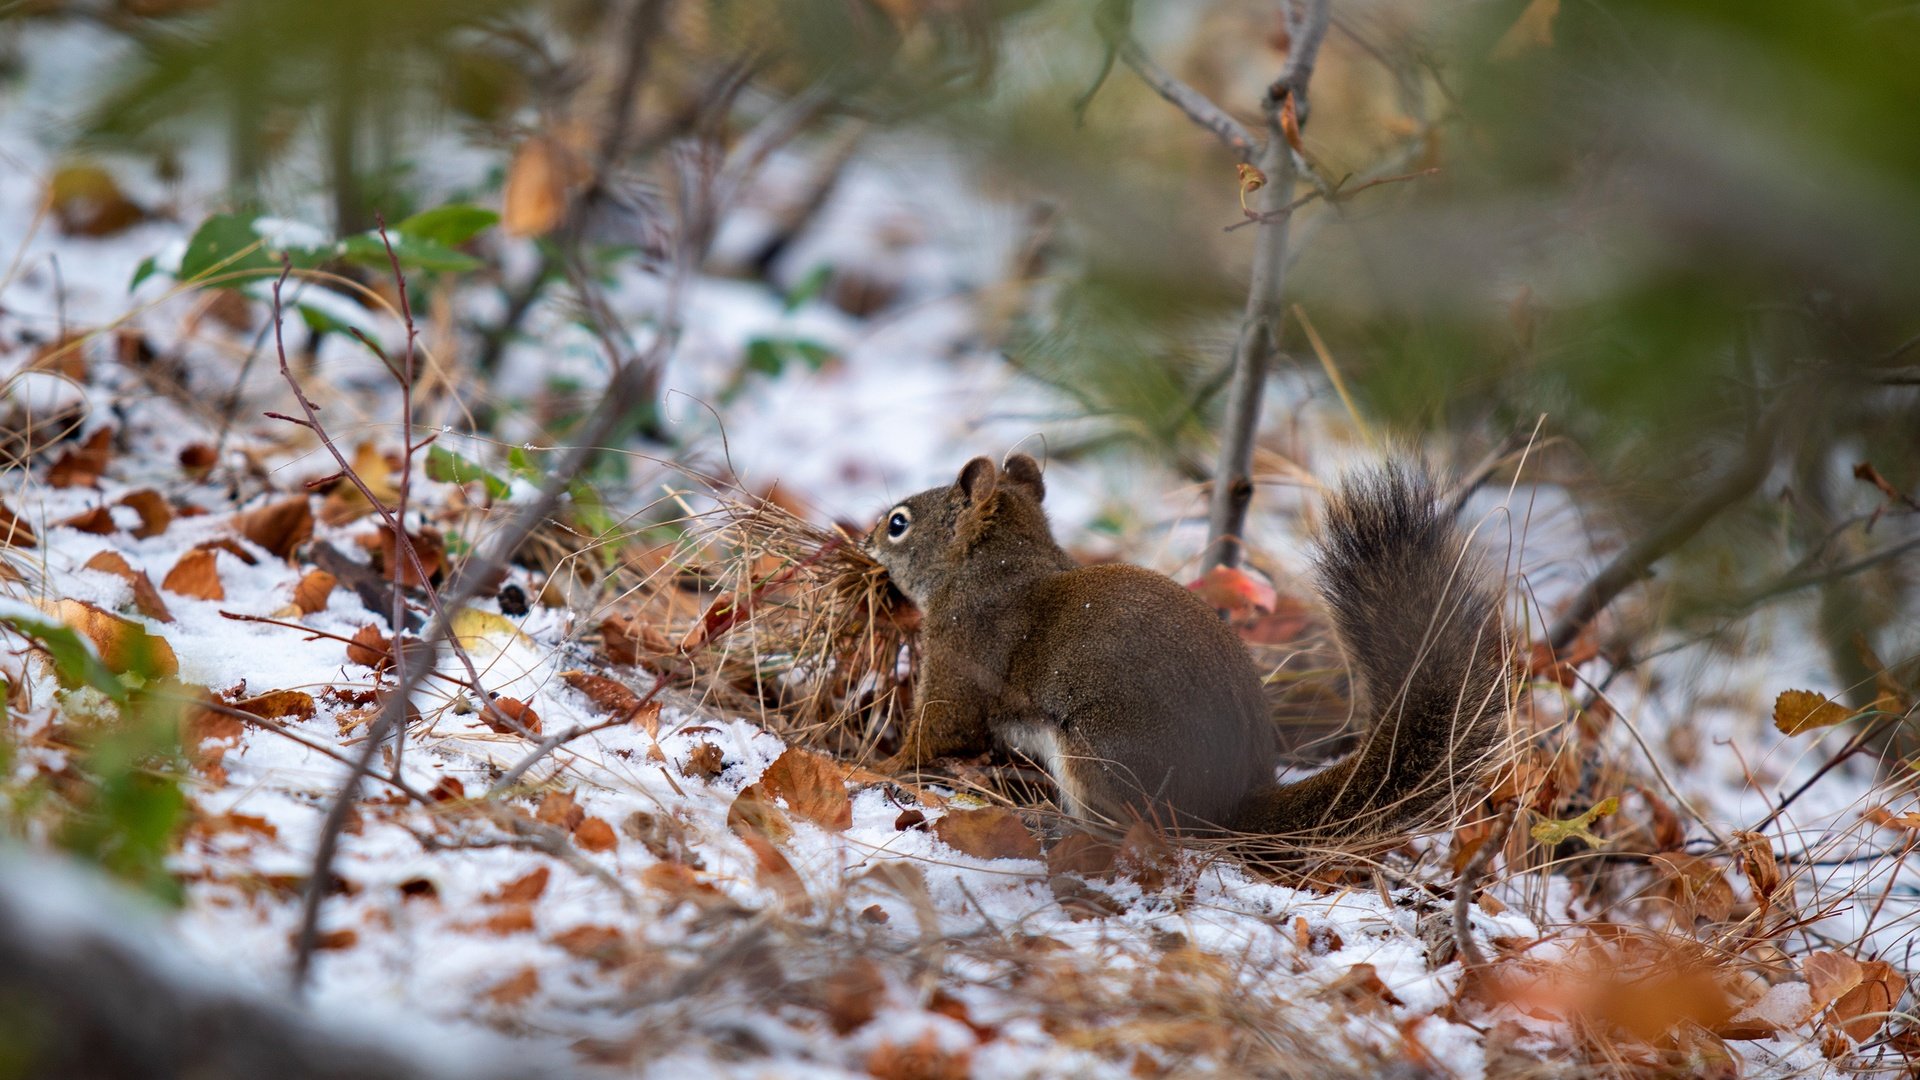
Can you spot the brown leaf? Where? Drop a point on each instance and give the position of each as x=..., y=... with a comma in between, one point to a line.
x=705, y=762
x=13, y=531
x=345, y=503
x=852, y=994
x=196, y=575
x=811, y=786
x=97, y=521
x=1795, y=711
x=515, y=988
x=507, y=712
x=679, y=882
x=762, y=827
x=146, y=598
x=1758, y=864
x=343, y=938
x=155, y=514
x=198, y=459
x=922, y=1059
x=992, y=833
x=231, y=547
x=1081, y=853
x=447, y=789
x=615, y=699
x=86, y=201
x=310, y=594
x=524, y=889
x=279, y=705
x=601, y=944
x=1830, y=975
x=370, y=648
x=123, y=645
x=510, y=919
x=540, y=185
x=595, y=835
x=1863, y=1010
x=428, y=548
x=558, y=808
x=278, y=527
x=1238, y=594
x=84, y=465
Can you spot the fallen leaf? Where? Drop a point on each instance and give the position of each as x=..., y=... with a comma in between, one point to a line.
x=370, y=648
x=97, y=521
x=1829, y=976
x=992, y=833
x=508, y=712
x=146, y=598
x=475, y=627
x=558, y=808
x=1863, y=1010
x=345, y=503
x=1081, y=853
x=1795, y=711
x=84, y=465
x=13, y=531
x=336, y=939
x=279, y=705
x=197, y=575
x=123, y=645
x=705, y=762
x=608, y=696
x=679, y=882
x=922, y=1059
x=511, y=919
x=515, y=988
x=762, y=828
x=155, y=514
x=312, y=591
x=428, y=548
x=630, y=641
x=1237, y=593
x=601, y=944
x=812, y=787
x=852, y=994
x=197, y=460
x=87, y=201
x=1558, y=831
x=447, y=789
x=524, y=889
x=279, y=527
x=594, y=834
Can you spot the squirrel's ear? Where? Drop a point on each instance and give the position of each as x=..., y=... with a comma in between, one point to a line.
x=1023, y=471
x=977, y=480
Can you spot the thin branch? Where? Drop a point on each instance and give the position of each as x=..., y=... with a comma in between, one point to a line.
x=1260, y=327
x=553, y=742
x=1471, y=957
x=1335, y=194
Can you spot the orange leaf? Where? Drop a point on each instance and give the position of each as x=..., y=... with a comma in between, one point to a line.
x=762, y=827
x=515, y=988
x=195, y=575
x=1236, y=592
x=155, y=514
x=279, y=705
x=280, y=527
x=313, y=590
x=507, y=712
x=594, y=834
x=853, y=993
x=123, y=645
x=1863, y=1010
x=615, y=699
x=812, y=786
x=1830, y=975
x=98, y=521
x=601, y=944
x=706, y=762
x=539, y=187
x=370, y=648
x=524, y=889
x=992, y=833
x=146, y=598
x=82, y=467
x=1795, y=711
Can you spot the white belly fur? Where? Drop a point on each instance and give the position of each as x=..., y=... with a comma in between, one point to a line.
x=1042, y=744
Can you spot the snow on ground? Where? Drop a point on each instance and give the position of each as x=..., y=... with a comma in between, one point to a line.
x=649, y=951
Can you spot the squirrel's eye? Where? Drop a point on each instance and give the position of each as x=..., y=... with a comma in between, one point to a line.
x=897, y=524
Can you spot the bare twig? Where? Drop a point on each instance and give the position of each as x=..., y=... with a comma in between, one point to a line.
x=1260, y=327
x=1196, y=105
x=553, y=742
x=1338, y=193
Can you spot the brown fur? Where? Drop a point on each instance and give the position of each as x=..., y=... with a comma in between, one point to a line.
x=1142, y=703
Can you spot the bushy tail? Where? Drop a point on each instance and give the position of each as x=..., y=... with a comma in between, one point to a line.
x=1420, y=623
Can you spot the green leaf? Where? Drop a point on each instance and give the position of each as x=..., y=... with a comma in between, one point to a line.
x=320, y=322
x=809, y=286
x=448, y=467
x=815, y=354
x=73, y=663
x=765, y=356
x=142, y=272
x=450, y=225
x=427, y=256
x=225, y=244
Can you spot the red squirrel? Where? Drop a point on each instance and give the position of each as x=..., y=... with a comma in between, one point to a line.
x=1142, y=703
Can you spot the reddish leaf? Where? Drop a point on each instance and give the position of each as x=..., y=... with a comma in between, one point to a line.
x=992, y=833
x=852, y=994
x=524, y=889
x=558, y=808
x=123, y=645
x=594, y=834
x=155, y=514
x=146, y=598
x=313, y=590
x=83, y=466
x=515, y=988
x=370, y=648
x=196, y=575
x=507, y=712
x=97, y=521
x=280, y=527
x=13, y=531
x=705, y=762
x=279, y=705
x=812, y=787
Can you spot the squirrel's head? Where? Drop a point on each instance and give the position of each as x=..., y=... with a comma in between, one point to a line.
x=925, y=538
